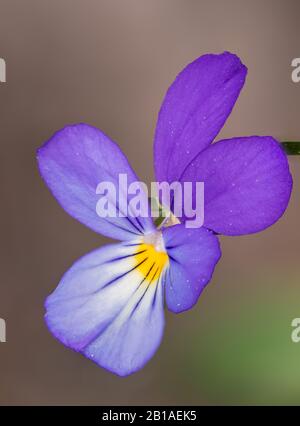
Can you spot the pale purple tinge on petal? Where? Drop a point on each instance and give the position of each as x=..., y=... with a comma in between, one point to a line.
x=105, y=309
x=73, y=163
x=247, y=184
x=193, y=255
x=194, y=110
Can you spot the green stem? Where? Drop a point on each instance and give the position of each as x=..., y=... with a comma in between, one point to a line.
x=291, y=147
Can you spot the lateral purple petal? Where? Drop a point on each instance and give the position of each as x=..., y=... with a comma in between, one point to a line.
x=194, y=110
x=193, y=255
x=247, y=184
x=73, y=163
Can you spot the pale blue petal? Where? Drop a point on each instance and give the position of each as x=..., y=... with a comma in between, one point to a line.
x=106, y=309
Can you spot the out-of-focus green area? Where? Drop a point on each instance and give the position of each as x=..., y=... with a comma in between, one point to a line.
x=243, y=352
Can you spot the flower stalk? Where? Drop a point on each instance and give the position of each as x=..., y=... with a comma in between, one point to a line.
x=291, y=147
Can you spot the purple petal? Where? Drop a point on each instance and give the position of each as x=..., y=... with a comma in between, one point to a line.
x=193, y=255
x=105, y=308
x=247, y=184
x=194, y=110
x=73, y=162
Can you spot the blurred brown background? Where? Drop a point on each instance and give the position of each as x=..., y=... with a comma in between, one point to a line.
x=109, y=63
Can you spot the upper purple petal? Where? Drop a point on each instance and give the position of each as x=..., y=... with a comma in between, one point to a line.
x=193, y=254
x=194, y=110
x=73, y=162
x=247, y=184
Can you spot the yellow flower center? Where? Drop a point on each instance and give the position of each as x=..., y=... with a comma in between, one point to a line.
x=151, y=257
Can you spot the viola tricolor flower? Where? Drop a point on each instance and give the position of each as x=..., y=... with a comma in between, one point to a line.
x=110, y=304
